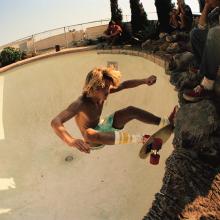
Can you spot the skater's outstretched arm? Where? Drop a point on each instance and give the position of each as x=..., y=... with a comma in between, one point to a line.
x=57, y=124
x=134, y=83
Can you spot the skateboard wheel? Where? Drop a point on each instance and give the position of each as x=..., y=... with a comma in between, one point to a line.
x=148, y=148
x=145, y=138
x=154, y=159
x=157, y=143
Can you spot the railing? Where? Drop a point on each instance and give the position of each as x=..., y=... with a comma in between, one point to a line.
x=65, y=37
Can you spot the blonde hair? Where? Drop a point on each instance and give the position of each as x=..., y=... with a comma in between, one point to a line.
x=98, y=76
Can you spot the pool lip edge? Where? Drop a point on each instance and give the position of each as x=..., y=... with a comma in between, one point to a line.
x=131, y=51
x=43, y=56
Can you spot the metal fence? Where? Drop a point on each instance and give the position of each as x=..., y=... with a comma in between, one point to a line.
x=64, y=37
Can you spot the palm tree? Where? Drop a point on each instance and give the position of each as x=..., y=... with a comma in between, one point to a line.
x=163, y=9
x=116, y=13
x=139, y=20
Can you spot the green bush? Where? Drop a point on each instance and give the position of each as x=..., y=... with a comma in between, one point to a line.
x=10, y=55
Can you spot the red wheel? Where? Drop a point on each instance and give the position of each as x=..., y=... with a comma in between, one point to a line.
x=157, y=144
x=154, y=159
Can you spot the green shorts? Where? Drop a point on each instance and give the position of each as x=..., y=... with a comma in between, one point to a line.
x=106, y=124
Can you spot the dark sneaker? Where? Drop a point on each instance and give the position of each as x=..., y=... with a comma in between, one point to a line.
x=197, y=94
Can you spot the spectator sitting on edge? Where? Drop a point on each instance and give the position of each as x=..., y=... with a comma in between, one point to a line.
x=206, y=47
x=113, y=33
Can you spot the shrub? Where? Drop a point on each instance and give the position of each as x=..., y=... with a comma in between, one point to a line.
x=10, y=55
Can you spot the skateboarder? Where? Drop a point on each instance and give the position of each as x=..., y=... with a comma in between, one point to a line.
x=100, y=82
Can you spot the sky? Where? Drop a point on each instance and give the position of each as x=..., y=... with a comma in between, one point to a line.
x=22, y=18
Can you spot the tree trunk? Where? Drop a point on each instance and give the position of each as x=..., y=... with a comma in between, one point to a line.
x=139, y=19
x=163, y=9
x=116, y=13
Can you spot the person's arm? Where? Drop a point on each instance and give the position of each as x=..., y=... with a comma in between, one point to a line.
x=134, y=83
x=186, y=17
x=173, y=19
x=203, y=18
x=60, y=130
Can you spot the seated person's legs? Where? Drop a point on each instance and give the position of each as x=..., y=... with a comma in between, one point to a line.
x=209, y=66
x=198, y=40
x=116, y=40
x=211, y=56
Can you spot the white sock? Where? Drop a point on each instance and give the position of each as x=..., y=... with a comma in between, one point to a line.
x=122, y=137
x=207, y=83
x=164, y=122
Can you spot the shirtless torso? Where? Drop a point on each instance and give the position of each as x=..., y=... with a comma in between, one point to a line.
x=89, y=115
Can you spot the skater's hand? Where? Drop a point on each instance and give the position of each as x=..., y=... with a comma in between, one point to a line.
x=151, y=80
x=80, y=145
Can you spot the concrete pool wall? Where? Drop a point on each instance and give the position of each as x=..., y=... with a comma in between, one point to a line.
x=36, y=182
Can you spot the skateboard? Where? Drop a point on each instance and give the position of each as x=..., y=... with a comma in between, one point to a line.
x=154, y=143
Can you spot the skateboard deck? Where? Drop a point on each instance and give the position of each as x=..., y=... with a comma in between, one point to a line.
x=163, y=134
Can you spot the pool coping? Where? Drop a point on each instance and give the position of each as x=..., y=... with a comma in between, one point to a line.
x=130, y=51
x=47, y=55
